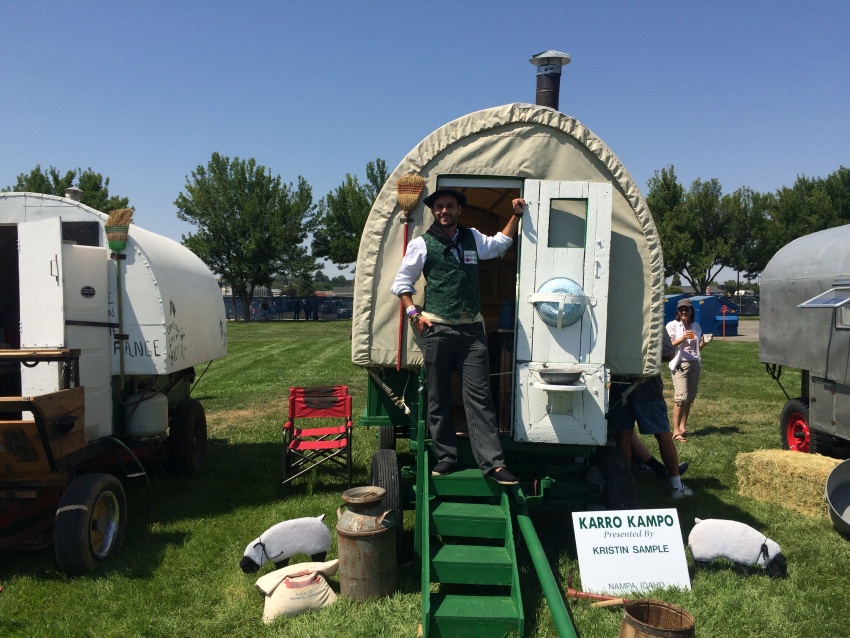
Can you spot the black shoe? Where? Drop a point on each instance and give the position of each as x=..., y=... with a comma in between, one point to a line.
x=502, y=476
x=443, y=467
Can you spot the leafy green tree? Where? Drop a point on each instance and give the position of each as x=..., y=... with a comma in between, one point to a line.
x=837, y=186
x=748, y=213
x=304, y=285
x=343, y=213
x=341, y=281
x=251, y=226
x=94, y=187
x=730, y=286
x=692, y=225
x=804, y=208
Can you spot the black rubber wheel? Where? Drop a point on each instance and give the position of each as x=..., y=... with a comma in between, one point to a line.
x=90, y=522
x=822, y=443
x=609, y=469
x=386, y=437
x=385, y=474
x=187, y=439
x=794, y=426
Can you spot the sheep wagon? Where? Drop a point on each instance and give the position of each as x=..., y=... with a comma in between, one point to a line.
x=581, y=292
x=96, y=367
x=805, y=324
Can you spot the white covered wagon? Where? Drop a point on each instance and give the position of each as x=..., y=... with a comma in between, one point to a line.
x=96, y=362
x=578, y=297
x=587, y=223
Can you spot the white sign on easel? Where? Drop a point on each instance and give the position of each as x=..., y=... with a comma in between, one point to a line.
x=626, y=551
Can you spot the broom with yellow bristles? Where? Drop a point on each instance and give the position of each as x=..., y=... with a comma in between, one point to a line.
x=408, y=189
x=117, y=228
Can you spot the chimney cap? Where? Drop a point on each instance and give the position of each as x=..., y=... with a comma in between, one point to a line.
x=550, y=58
x=72, y=192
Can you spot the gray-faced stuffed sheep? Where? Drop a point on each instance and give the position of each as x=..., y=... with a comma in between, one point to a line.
x=717, y=538
x=280, y=542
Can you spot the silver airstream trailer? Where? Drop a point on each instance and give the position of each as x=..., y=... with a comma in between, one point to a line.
x=805, y=324
x=96, y=365
x=579, y=297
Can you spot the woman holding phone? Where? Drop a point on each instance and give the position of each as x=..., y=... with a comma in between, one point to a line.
x=688, y=340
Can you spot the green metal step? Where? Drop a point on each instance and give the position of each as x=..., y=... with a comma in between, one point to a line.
x=468, y=482
x=456, y=616
x=470, y=564
x=476, y=520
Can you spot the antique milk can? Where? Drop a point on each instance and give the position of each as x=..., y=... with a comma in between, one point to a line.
x=366, y=542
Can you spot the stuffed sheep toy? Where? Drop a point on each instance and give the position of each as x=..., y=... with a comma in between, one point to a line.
x=737, y=542
x=280, y=542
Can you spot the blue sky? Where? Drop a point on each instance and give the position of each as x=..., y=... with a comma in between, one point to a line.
x=752, y=93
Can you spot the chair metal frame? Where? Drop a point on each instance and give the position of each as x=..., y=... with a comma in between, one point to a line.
x=306, y=448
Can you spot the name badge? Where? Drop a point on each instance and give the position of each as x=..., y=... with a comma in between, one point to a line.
x=470, y=257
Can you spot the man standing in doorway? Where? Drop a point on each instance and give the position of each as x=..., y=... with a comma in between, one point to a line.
x=452, y=329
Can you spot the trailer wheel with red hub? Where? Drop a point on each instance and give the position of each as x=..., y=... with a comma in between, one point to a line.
x=794, y=426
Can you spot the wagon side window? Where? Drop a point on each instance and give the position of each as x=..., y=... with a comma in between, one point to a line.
x=567, y=223
x=842, y=317
x=836, y=298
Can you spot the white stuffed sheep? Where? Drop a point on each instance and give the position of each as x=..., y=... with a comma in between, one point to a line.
x=717, y=538
x=279, y=542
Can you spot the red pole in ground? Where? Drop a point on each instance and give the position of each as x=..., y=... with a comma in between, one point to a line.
x=723, y=312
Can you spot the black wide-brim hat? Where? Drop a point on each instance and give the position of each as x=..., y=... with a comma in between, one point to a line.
x=460, y=197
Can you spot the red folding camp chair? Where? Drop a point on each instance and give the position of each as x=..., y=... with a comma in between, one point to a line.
x=304, y=447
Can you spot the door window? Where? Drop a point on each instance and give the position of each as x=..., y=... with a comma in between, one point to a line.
x=567, y=223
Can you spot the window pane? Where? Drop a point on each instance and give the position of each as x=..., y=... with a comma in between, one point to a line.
x=830, y=299
x=567, y=219
x=842, y=317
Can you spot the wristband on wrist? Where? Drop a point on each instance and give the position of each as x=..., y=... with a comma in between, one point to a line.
x=518, y=214
x=411, y=311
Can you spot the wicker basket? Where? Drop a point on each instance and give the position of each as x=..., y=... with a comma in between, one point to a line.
x=655, y=618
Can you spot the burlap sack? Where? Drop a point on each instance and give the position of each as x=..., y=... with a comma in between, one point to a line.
x=296, y=589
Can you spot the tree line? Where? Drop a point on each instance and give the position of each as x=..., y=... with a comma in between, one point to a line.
x=252, y=228
x=702, y=230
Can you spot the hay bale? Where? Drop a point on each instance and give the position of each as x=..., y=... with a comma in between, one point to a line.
x=791, y=479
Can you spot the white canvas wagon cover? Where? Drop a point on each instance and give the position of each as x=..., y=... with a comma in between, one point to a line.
x=172, y=310
x=517, y=141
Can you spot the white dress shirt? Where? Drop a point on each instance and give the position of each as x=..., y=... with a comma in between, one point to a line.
x=414, y=259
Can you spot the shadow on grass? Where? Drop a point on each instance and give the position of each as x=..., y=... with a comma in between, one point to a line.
x=236, y=477
x=714, y=429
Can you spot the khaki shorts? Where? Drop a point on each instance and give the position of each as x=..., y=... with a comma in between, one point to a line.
x=686, y=381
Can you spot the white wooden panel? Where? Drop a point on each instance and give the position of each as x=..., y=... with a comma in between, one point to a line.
x=86, y=296
x=42, y=314
x=576, y=417
x=40, y=275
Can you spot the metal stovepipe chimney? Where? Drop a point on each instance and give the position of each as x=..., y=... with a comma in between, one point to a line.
x=549, y=65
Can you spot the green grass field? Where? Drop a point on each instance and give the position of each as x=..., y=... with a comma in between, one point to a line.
x=180, y=576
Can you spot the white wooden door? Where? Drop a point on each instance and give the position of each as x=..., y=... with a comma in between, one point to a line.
x=40, y=271
x=41, y=288
x=562, y=311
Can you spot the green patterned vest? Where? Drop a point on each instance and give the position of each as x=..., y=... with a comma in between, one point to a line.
x=451, y=288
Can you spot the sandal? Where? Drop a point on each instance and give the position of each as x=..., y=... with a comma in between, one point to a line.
x=679, y=438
